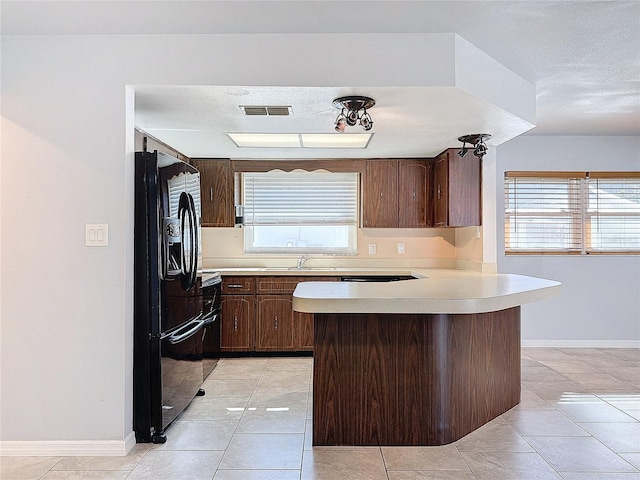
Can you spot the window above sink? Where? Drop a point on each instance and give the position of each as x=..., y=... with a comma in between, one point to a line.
x=300, y=212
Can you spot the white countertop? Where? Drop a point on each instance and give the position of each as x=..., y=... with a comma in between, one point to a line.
x=311, y=271
x=438, y=291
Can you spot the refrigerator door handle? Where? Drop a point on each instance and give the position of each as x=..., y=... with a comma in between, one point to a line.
x=189, y=253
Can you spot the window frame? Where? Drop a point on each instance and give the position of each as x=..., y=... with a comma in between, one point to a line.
x=351, y=227
x=580, y=210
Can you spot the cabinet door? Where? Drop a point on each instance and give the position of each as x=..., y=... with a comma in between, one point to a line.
x=441, y=191
x=302, y=331
x=216, y=192
x=465, y=190
x=237, y=332
x=274, y=325
x=380, y=194
x=413, y=193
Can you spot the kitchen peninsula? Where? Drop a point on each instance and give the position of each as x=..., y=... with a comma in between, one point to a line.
x=415, y=362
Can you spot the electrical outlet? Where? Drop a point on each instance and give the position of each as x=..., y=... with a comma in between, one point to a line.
x=401, y=248
x=372, y=249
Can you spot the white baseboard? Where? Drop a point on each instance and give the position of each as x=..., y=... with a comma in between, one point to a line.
x=582, y=343
x=68, y=448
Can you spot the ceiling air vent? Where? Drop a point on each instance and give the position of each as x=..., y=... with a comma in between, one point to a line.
x=266, y=110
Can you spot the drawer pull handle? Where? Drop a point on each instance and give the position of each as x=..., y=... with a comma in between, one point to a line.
x=211, y=194
x=276, y=323
x=233, y=285
x=235, y=324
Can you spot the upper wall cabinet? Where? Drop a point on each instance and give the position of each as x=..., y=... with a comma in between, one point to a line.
x=396, y=193
x=414, y=193
x=456, y=190
x=216, y=192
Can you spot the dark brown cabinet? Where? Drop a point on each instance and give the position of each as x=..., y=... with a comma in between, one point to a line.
x=237, y=325
x=237, y=328
x=278, y=326
x=457, y=185
x=395, y=193
x=257, y=314
x=413, y=193
x=274, y=323
x=303, y=331
x=380, y=194
x=216, y=192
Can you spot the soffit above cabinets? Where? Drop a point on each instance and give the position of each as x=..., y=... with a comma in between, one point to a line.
x=582, y=56
x=445, y=88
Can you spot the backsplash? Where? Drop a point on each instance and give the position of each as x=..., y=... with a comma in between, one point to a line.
x=444, y=247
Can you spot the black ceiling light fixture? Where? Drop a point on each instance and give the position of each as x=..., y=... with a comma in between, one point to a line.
x=476, y=140
x=353, y=110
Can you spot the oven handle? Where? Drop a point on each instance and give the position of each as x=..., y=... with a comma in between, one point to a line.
x=211, y=318
x=192, y=328
x=212, y=315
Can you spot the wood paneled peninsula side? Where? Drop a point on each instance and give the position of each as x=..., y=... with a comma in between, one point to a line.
x=415, y=362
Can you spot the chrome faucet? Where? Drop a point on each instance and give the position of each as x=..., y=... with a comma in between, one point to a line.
x=301, y=261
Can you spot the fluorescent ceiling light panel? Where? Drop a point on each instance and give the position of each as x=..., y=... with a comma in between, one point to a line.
x=336, y=140
x=265, y=140
x=301, y=140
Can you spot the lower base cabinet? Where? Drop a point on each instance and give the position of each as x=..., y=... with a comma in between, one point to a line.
x=237, y=323
x=262, y=319
x=303, y=331
x=274, y=323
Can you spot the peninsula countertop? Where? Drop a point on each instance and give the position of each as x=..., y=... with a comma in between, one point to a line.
x=433, y=291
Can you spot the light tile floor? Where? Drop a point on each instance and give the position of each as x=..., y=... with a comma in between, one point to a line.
x=579, y=419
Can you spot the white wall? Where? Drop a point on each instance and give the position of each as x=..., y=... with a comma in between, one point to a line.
x=600, y=300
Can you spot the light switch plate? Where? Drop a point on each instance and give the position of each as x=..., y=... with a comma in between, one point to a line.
x=372, y=249
x=401, y=248
x=96, y=235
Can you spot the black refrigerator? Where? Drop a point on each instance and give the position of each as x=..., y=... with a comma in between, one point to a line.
x=170, y=322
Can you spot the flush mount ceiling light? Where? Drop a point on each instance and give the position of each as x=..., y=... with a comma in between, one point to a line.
x=300, y=140
x=353, y=110
x=477, y=141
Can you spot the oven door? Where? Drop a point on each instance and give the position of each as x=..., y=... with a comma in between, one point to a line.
x=211, y=308
x=182, y=368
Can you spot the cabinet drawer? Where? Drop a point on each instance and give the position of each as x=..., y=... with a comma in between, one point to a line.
x=237, y=285
x=286, y=285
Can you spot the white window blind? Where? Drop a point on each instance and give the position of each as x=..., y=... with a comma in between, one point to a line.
x=300, y=212
x=613, y=214
x=572, y=212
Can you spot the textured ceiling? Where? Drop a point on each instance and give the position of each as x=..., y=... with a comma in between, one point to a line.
x=583, y=57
